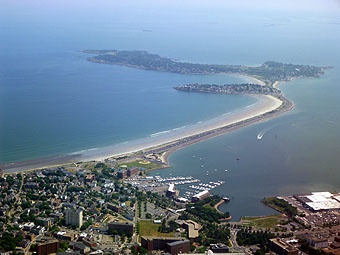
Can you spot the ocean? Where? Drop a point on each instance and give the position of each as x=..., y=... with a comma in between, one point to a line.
x=54, y=102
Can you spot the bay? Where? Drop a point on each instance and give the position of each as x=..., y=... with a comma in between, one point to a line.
x=52, y=101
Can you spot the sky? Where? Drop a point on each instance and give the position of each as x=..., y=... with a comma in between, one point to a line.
x=299, y=5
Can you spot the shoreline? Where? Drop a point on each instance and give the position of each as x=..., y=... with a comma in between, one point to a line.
x=269, y=109
x=266, y=108
x=288, y=105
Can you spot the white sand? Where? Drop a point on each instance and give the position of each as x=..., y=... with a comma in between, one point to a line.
x=265, y=104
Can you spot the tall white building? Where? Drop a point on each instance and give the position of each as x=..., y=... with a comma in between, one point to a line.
x=74, y=217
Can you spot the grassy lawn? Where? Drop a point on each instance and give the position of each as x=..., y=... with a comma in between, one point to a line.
x=280, y=205
x=148, y=228
x=270, y=202
x=140, y=163
x=209, y=206
x=263, y=222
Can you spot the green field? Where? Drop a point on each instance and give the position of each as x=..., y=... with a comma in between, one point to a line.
x=137, y=163
x=263, y=222
x=280, y=205
x=148, y=228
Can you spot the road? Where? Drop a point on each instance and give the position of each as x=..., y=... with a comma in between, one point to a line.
x=135, y=220
x=234, y=245
x=17, y=196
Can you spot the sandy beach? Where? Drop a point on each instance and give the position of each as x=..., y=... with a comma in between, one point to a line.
x=266, y=107
x=251, y=79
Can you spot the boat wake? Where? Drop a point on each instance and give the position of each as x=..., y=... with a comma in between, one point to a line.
x=284, y=122
x=263, y=131
x=260, y=135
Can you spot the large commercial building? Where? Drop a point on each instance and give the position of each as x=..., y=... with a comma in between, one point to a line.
x=172, y=245
x=200, y=196
x=281, y=247
x=191, y=227
x=316, y=240
x=177, y=247
x=74, y=217
x=320, y=201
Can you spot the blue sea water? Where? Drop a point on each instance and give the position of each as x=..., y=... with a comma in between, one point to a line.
x=54, y=102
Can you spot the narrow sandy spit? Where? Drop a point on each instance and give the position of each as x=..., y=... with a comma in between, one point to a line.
x=265, y=108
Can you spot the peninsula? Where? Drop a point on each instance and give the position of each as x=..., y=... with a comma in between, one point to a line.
x=267, y=76
x=271, y=102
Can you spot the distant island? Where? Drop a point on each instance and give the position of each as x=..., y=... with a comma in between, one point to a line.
x=269, y=72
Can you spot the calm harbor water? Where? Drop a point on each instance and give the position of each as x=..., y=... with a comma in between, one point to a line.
x=54, y=102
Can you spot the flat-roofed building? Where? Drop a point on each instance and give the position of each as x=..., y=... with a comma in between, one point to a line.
x=115, y=208
x=281, y=247
x=173, y=245
x=219, y=248
x=191, y=227
x=132, y=171
x=317, y=240
x=320, y=201
x=122, y=174
x=121, y=227
x=177, y=247
x=47, y=247
x=171, y=191
x=74, y=217
x=200, y=196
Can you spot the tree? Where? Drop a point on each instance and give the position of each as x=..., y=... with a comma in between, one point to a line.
x=64, y=246
x=8, y=242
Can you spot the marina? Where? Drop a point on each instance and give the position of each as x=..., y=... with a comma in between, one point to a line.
x=189, y=186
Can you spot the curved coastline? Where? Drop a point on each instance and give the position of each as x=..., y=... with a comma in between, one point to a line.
x=286, y=106
x=266, y=108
